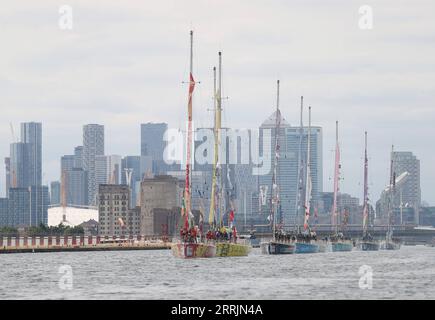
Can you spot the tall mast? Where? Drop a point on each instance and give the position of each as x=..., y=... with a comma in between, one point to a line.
x=300, y=167
x=187, y=190
x=275, y=189
x=214, y=193
x=308, y=177
x=336, y=178
x=366, y=188
x=214, y=102
x=218, y=128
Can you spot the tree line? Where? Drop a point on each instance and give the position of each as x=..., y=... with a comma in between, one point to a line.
x=43, y=230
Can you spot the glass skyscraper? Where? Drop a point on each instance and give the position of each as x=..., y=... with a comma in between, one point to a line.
x=291, y=211
x=20, y=158
x=39, y=202
x=78, y=157
x=28, y=199
x=19, y=207
x=67, y=163
x=139, y=166
x=76, y=187
x=152, y=144
x=55, y=193
x=4, y=212
x=7, y=175
x=31, y=133
x=93, y=146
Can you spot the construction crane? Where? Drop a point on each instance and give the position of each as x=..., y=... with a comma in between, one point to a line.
x=14, y=138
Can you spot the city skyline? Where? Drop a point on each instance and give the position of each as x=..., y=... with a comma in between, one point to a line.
x=68, y=161
x=346, y=74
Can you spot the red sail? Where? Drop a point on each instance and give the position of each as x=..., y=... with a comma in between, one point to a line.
x=189, y=146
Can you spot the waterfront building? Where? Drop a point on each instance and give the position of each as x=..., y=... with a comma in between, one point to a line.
x=113, y=209
x=93, y=146
x=162, y=192
x=90, y=227
x=164, y=221
x=132, y=225
x=25, y=207
x=74, y=216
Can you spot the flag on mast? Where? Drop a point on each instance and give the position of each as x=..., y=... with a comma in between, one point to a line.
x=307, y=201
x=186, y=207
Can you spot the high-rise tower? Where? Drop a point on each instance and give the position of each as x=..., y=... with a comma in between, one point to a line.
x=31, y=133
x=93, y=146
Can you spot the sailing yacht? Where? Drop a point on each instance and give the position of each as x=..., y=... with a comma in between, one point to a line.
x=190, y=244
x=225, y=237
x=390, y=243
x=306, y=241
x=367, y=243
x=338, y=241
x=280, y=243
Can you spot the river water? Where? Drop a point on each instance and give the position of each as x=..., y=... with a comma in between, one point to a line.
x=405, y=274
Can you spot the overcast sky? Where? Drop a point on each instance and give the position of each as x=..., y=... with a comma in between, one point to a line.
x=123, y=63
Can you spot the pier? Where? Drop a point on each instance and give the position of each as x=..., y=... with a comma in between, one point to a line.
x=45, y=244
